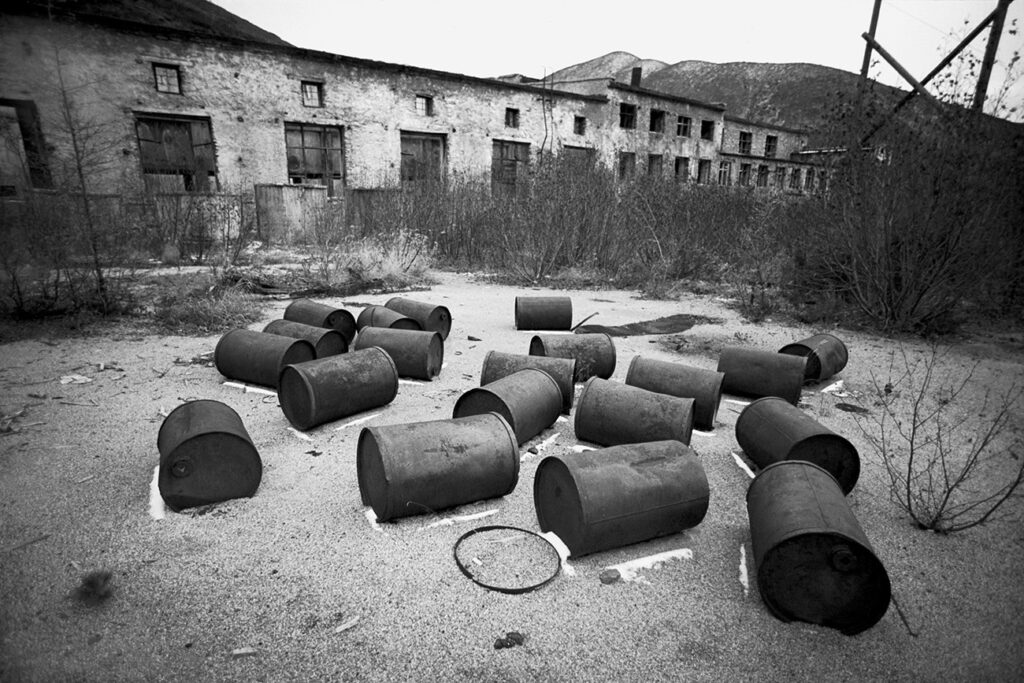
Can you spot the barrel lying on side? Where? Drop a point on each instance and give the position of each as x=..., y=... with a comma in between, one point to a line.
x=543, y=313
x=326, y=341
x=416, y=353
x=684, y=381
x=206, y=456
x=757, y=373
x=603, y=499
x=258, y=357
x=825, y=353
x=498, y=364
x=610, y=413
x=321, y=315
x=431, y=317
x=529, y=400
x=594, y=353
x=379, y=316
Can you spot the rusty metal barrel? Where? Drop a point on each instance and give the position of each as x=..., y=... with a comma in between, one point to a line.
x=757, y=373
x=529, y=400
x=431, y=317
x=416, y=353
x=421, y=467
x=814, y=562
x=607, y=498
x=770, y=429
x=326, y=341
x=543, y=313
x=684, y=381
x=331, y=388
x=321, y=315
x=498, y=364
x=379, y=316
x=594, y=352
x=258, y=357
x=609, y=413
x=825, y=353
x=206, y=456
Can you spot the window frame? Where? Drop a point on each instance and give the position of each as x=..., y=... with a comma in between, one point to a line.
x=684, y=163
x=579, y=125
x=746, y=142
x=656, y=160
x=628, y=115
x=511, y=117
x=509, y=171
x=725, y=166
x=626, y=166
x=173, y=68
x=709, y=125
x=198, y=173
x=334, y=181
x=683, y=126
x=319, y=93
x=771, y=146
x=428, y=105
x=657, y=121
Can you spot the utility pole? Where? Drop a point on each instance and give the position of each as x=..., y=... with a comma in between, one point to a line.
x=990, y=54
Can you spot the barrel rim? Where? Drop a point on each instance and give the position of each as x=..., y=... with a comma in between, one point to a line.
x=160, y=430
x=799, y=463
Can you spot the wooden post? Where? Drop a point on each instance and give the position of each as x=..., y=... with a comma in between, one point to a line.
x=990, y=54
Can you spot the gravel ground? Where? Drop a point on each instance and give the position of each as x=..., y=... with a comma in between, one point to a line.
x=299, y=583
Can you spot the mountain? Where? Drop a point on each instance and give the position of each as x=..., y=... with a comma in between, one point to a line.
x=617, y=65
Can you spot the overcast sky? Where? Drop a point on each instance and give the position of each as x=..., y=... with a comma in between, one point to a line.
x=535, y=37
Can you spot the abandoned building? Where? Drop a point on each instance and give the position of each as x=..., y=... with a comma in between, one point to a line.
x=168, y=110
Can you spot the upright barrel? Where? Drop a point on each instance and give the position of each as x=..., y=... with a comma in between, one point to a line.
x=757, y=373
x=594, y=352
x=684, y=381
x=331, y=388
x=498, y=364
x=416, y=353
x=206, y=456
x=431, y=317
x=422, y=467
x=326, y=341
x=258, y=357
x=814, y=562
x=543, y=313
x=379, y=316
x=529, y=400
x=610, y=413
x=603, y=499
x=825, y=353
x=321, y=315
x=770, y=429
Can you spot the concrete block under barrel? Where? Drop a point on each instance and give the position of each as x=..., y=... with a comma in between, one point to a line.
x=813, y=561
x=770, y=429
x=259, y=357
x=379, y=316
x=422, y=467
x=826, y=355
x=321, y=315
x=416, y=353
x=326, y=341
x=594, y=352
x=331, y=388
x=603, y=499
x=543, y=313
x=206, y=456
x=498, y=364
x=609, y=413
x=684, y=381
x=431, y=317
x=757, y=373
x=529, y=400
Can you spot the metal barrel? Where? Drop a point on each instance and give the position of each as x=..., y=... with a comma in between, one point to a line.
x=326, y=341
x=814, y=562
x=416, y=353
x=609, y=413
x=498, y=364
x=331, y=388
x=206, y=456
x=594, y=352
x=543, y=313
x=770, y=430
x=258, y=357
x=607, y=498
x=379, y=316
x=431, y=318
x=321, y=315
x=529, y=400
x=422, y=467
x=826, y=355
x=684, y=381
x=753, y=372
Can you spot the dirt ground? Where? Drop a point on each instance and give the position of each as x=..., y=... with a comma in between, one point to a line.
x=300, y=583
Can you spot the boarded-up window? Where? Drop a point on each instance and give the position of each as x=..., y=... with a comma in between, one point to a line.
x=579, y=157
x=762, y=176
x=794, y=179
x=655, y=165
x=177, y=154
x=315, y=156
x=780, y=177
x=423, y=157
x=509, y=163
x=745, y=170
x=704, y=171
x=627, y=164
x=682, y=169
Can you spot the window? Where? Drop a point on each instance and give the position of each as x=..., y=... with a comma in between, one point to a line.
x=655, y=165
x=579, y=157
x=177, y=153
x=682, y=169
x=315, y=156
x=657, y=121
x=579, y=125
x=312, y=94
x=167, y=77
x=745, y=174
x=707, y=130
x=704, y=171
x=762, y=176
x=794, y=179
x=511, y=117
x=771, y=146
x=725, y=173
x=809, y=180
x=683, y=126
x=780, y=178
x=509, y=164
x=627, y=115
x=627, y=164
x=746, y=142
x=424, y=105
x=19, y=120
x=423, y=157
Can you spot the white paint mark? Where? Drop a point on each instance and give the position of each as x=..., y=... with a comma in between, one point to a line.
x=347, y=625
x=836, y=389
x=299, y=434
x=444, y=365
x=75, y=379
x=156, y=501
x=448, y=521
x=371, y=517
x=547, y=332
x=744, y=581
x=250, y=389
x=353, y=423
x=547, y=442
x=410, y=381
x=699, y=432
x=578, y=448
x=630, y=571
x=736, y=401
x=563, y=551
x=742, y=464
x=562, y=418
x=476, y=560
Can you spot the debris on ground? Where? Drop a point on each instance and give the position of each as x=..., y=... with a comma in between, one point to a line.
x=851, y=408
x=240, y=652
x=511, y=639
x=75, y=379
x=610, y=576
x=96, y=586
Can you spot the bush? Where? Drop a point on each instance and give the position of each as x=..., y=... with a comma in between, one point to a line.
x=184, y=309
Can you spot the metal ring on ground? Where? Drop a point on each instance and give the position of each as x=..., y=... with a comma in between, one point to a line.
x=502, y=589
